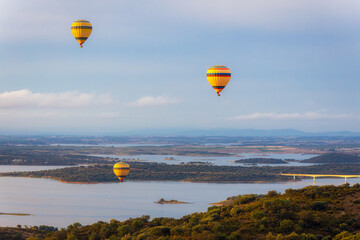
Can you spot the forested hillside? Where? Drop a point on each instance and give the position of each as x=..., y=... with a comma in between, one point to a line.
x=334, y=158
x=314, y=212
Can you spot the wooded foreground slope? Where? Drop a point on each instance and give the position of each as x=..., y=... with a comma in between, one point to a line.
x=325, y=212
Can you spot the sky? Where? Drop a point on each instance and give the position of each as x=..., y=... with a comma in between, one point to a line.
x=294, y=64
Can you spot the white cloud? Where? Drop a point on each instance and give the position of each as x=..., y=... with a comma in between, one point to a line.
x=104, y=99
x=108, y=114
x=290, y=116
x=150, y=101
x=26, y=99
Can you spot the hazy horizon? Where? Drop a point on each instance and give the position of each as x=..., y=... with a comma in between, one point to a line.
x=190, y=132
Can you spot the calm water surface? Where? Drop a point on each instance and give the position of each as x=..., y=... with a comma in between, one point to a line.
x=17, y=168
x=113, y=144
x=219, y=161
x=60, y=204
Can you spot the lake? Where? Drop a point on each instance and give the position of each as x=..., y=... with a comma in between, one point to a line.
x=60, y=204
x=113, y=145
x=23, y=168
x=219, y=161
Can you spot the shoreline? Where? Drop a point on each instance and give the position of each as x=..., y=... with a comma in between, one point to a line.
x=221, y=203
x=188, y=181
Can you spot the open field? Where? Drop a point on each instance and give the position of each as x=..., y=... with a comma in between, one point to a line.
x=190, y=146
x=45, y=151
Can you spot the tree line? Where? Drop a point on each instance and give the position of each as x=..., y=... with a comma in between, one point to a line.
x=194, y=173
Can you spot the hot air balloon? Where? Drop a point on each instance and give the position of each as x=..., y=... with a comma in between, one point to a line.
x=81, y=29
x=121, y=170
x=218, y=77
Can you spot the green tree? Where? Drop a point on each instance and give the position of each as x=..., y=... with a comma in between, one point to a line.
x=287, y=225
x=123, y=230
x=319, y=206
x=137, y=224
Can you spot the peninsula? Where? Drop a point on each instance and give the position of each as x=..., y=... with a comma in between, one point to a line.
x=15, y=214
x=190, y=173
x=261, y=161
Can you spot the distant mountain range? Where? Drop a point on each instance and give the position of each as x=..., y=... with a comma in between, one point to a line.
x=230, y=132
x=194, y=132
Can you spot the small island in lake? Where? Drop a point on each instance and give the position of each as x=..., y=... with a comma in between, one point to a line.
x=15, y=214
x=163, y=201
x=196, y=163
x=261, y=161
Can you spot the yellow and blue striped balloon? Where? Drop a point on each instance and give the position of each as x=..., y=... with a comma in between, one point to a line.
x=121, y=170
x=81, y=29
x=218, y=77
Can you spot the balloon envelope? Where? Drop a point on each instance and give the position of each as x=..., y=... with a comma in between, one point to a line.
x=81, y=29
x=121, y=170
x=218, y=77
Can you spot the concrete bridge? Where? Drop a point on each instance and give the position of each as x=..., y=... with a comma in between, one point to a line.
x=319, y=175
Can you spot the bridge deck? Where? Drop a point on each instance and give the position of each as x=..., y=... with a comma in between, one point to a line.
x=319, y=175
